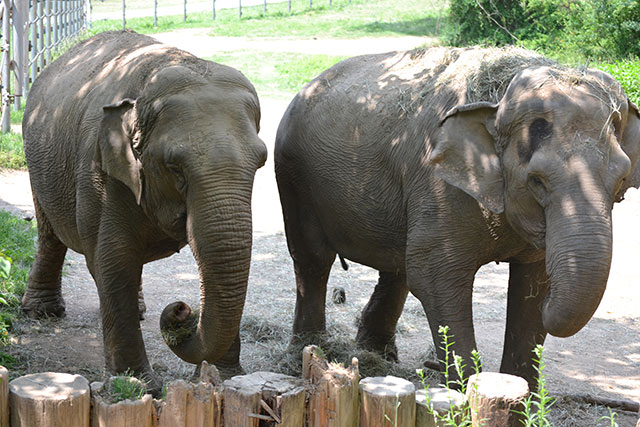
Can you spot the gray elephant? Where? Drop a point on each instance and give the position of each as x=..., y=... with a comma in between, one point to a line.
x=428, y=164
x=134, y=150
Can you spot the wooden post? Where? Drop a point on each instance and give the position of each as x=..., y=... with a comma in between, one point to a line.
x=493, y=398
x=50, y=399
x=193, y=404
x=289, y=6
x=332, y=390
x=265, y=396
x=127, y=413
x=124, y=15
x=387, y=401
x=239, y=9
x=213, y=14
x=441, y=401
x=6, y=67
x=185, y=11
x=4, y=397
x=155, y=13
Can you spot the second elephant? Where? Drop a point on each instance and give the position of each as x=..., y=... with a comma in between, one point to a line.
x=428, y=164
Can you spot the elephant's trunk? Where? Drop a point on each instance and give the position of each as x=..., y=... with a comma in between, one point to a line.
x=578, y=258
x=219, y=234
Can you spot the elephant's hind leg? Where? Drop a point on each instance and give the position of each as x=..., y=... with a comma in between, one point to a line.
x=377, y=327
x=312, y=260
x=43, y=296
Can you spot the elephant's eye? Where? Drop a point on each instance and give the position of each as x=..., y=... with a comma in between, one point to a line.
x=538, y=187
x=176, y=171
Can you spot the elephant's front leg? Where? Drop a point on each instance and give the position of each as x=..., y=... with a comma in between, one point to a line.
x=117, y=269
x=377, y=327
x=528, y=286
x=443, y=282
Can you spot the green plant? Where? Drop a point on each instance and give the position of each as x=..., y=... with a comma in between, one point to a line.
x=611, y=418
x=627, y=73
x=17, y=249
x=456, y=415
x=126, y=386
x=538, y=404
x=11, y=151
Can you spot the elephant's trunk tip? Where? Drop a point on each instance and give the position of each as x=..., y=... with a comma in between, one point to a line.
x=177, y=323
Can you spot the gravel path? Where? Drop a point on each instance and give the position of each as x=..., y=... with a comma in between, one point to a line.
x=603, y=359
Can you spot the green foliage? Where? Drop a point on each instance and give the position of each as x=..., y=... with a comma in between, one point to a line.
x=491, y=22
x=17, y=249
x=627, y=73
x=538, y=404
x=11, y=152
x=573, y=30
x=126, y=386
x=455, y=416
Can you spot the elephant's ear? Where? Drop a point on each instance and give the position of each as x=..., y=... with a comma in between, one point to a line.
x=116, y=154
x=631, y=146
x=465, y=156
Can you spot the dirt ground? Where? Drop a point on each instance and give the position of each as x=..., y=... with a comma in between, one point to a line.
x=602, y=360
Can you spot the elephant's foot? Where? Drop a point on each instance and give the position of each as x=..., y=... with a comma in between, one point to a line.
x=386, y=348
x=151, y=380
x=228, y=371
x=43, y=303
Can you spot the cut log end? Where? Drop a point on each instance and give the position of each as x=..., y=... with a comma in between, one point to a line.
x=496, y=398
x=50, y=399
x=387, y=399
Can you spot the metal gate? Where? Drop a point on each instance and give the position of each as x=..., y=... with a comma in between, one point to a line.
x=32, y=32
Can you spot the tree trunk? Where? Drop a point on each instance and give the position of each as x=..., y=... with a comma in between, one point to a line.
x=127, y=413
x=191, y=405
x=263, y=396
x=332, y=390
x=495, y=397
x=387, y=401
x=4, y=397
x=50, y=399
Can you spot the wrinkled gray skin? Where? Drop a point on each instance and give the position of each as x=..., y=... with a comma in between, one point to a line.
x=134, y=150
x=384, y=160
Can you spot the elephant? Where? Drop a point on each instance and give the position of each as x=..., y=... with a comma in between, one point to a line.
x=134, y=150
x=427, y=164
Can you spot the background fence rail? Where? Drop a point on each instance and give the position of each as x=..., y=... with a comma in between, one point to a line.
x=32, y=31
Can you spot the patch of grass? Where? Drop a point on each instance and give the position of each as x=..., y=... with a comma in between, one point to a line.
x=11, y=151
x=124, y=387
x=279, y=74
x=627, y=73
x=17, y=249
x=342, y=19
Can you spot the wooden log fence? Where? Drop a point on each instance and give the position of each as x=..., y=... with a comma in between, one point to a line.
x=32, y=32
x=327, y=395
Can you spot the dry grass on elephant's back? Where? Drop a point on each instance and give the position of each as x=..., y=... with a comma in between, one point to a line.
x=479, y=75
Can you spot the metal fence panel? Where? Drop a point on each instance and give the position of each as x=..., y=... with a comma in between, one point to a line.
x=32, y=31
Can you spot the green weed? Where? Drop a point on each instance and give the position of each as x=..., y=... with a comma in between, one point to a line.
x=11, y=152
x=17, y=249
x=538, y=404
x=126, y=387
x=627, y=73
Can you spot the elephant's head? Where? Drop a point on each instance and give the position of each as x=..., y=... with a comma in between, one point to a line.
x=553, y=154
x=188, y=150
